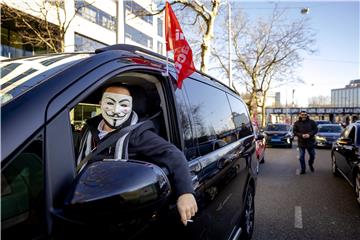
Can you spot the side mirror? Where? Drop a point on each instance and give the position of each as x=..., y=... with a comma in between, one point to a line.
x=345, y=141
x=117, y=191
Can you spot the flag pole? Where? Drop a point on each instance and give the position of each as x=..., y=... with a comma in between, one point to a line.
x=166, y=74
x=167, y=64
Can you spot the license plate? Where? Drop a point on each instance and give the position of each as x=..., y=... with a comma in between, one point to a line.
x=275, y=140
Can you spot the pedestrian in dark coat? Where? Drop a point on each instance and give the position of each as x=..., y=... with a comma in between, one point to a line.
x=305, y=130
x=140, y=143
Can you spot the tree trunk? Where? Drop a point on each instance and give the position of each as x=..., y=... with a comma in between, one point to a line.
x=263, y=110
x=205, y=46
x=208, y=36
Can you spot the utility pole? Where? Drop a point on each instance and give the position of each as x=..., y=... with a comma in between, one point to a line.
x=230, y=70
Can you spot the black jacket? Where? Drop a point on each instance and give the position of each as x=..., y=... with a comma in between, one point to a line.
x=307, y=126
x=146, y=145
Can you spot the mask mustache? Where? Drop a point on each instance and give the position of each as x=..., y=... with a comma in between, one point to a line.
x=116, y=115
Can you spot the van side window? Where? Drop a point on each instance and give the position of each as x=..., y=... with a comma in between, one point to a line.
x=240, y=117
x=190, y=149
x=22, y=201
x=211, y=116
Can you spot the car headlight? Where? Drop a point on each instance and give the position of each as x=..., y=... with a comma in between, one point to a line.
x=320, y=138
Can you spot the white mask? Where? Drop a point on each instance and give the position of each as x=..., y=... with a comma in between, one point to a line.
x=115, y=108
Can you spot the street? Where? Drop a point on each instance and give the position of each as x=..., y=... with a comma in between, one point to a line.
x=310, y=206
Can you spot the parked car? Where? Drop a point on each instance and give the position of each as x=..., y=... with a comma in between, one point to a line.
x=327, y=134
x=322, y=122
x=345, y=155
x=44, y=103
x=279, y=134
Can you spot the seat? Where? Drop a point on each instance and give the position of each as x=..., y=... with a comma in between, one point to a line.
x=145, y=110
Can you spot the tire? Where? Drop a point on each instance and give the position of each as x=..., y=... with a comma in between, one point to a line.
x=334, y=168
x=357, y=187
x=248, y=215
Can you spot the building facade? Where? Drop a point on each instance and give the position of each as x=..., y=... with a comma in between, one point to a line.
x=349, y=96
x=94, y=24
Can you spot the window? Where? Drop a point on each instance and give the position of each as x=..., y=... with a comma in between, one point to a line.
x=160, y=27
x=83, y=43
x=138, y=36
x=22, y=200
x=95, y=15
x=81, y=113
x=211, y=116
x=12, y=45
x=240, y=117
x=190, y=149
x=139, y=11
x=160, y=47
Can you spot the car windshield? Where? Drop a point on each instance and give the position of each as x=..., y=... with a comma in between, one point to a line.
x=20, y=75
x=328, y=129
x=277, y=128
x=322, y=122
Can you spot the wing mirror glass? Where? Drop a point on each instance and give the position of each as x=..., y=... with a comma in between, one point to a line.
x=116, y=191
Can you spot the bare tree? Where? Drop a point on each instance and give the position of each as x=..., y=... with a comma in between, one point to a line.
x=205, y=13
x=49, y=26
x=319, y=101
x=266, y=51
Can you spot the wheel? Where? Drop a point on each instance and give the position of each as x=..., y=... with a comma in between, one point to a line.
x=334, y=168
x=290, y=145
x=357, y=187
x=248, y=215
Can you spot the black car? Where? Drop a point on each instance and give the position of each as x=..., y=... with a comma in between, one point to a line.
x=279, y=134
x=45, y=102
x=345, y=155
x=327, y=134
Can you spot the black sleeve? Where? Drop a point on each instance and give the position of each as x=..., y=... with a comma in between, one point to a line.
x=163, y=153
x=296, y=130
x=314, y=128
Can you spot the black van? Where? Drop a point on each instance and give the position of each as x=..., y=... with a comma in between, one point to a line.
x=44, y=103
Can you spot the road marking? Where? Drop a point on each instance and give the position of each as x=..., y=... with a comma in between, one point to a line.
x=298, y=217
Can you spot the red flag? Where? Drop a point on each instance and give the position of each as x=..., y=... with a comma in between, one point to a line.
x=175, y=40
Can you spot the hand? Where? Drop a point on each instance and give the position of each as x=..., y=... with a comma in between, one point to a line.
x=306, y=135
x=187, y=207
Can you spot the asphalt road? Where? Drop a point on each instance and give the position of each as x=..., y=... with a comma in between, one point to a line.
x=310, y=206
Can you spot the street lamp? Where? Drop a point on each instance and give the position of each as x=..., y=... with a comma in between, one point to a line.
x=230, y=72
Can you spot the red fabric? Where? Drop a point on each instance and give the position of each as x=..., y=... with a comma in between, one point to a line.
x=175, y=40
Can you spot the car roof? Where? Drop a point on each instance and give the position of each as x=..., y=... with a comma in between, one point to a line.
x=24, y=114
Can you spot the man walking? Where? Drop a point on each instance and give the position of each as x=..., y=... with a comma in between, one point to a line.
x=305, y=129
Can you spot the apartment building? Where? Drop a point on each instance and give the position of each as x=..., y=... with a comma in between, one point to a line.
x=349, y=96
x=94, y=24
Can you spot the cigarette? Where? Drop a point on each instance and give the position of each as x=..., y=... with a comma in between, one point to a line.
x=190, y=220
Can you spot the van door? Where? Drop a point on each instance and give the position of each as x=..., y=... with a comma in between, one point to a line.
x=222, y=156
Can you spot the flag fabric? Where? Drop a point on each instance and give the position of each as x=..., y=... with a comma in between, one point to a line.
x=175, y=40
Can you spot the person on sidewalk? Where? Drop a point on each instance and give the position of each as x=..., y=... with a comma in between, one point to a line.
x=305, y=130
